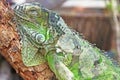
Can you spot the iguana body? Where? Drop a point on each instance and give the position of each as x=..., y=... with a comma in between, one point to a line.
x=46, y=37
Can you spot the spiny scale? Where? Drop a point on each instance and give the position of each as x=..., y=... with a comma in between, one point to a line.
x=54, y=22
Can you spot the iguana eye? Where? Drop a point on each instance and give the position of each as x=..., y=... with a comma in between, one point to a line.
x=32, y=12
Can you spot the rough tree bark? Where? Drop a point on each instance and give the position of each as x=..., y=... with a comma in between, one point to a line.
x=10, y=48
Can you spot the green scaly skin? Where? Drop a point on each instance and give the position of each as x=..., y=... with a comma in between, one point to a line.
x=46, y=37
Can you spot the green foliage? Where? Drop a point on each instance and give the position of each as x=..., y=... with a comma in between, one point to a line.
x=109, y=6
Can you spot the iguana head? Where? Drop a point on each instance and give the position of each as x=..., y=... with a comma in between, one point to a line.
x=35, y=16
x=31, y=15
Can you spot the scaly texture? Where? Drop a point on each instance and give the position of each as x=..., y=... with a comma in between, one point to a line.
x=45, y=37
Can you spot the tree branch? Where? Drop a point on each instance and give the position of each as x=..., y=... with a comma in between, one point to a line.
x=10, y=48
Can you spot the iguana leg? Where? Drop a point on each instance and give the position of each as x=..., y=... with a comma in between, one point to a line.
x=61, y=71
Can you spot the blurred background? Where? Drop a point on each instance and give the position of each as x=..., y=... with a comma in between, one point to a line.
x=97, y=20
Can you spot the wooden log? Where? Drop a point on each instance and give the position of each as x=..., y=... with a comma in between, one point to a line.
x=10, y=48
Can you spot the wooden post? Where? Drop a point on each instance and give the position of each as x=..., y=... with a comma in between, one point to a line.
x=116, y=25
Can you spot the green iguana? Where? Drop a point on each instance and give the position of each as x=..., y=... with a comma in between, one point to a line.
x=46, y=37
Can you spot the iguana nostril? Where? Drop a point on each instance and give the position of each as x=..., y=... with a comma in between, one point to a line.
x=16, y=7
